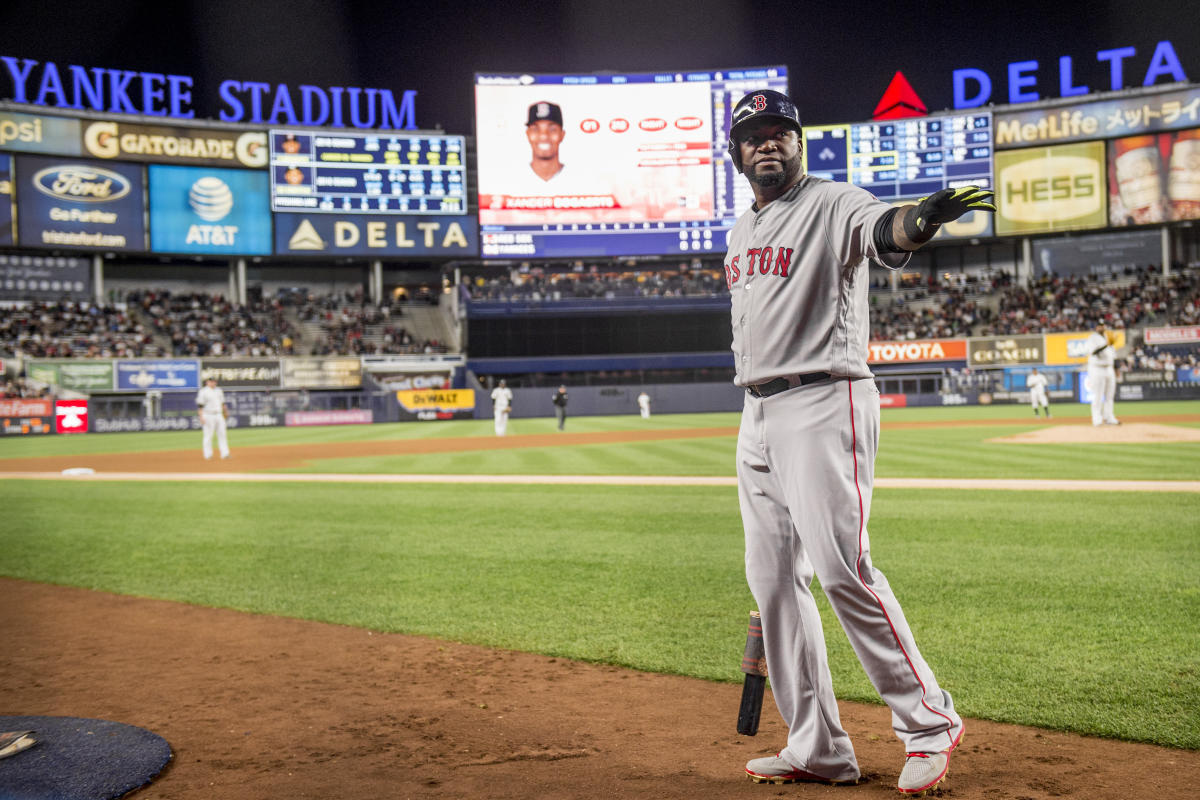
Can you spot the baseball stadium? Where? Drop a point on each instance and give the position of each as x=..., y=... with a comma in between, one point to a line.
x=513, y=432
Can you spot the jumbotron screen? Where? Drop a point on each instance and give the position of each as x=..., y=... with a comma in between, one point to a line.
x=599, y=165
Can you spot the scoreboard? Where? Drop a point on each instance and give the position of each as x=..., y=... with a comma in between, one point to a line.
x=383, y=173
x=905, y=158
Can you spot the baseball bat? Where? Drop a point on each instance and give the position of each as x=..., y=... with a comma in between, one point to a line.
x=754, y=664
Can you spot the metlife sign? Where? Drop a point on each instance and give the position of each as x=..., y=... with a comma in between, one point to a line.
x=209, y=210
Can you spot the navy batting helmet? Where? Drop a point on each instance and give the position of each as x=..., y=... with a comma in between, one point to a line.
x=765, y=103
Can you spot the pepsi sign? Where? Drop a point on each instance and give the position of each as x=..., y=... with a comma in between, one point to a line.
x=80, y=204
x=203, y=210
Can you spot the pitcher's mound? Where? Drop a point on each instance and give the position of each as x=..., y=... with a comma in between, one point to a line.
x=1133, y=433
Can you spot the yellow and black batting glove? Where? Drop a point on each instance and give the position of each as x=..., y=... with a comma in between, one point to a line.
x=950, y=204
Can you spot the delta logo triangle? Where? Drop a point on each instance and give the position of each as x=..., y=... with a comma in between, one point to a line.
x=306, y=238
x=899, y=101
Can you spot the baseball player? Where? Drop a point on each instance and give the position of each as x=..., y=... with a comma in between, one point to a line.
x=560, y=406
x=643, y=401
x=1037, y=392
x=212, y=410
x=501, y=404
x=1101, y=377
x=797, y=272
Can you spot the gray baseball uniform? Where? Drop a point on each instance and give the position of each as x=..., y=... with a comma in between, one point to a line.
x=797, y=273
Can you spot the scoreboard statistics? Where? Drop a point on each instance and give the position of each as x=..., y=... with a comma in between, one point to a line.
x=905, y=158
x=364, y=173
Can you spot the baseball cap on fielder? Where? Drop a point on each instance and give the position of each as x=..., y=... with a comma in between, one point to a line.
x=763, y=104
x=543, y=110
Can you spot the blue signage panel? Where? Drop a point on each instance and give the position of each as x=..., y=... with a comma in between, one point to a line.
x=79, y=204
x=209, y=210
x=6, y=199
x=375, y=235
x=165, y=375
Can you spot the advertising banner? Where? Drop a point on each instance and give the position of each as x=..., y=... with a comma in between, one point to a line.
x=1050, y=189
x=995, y=351
x=322, y=373
x=26, y=407
x=158, y=143
x=7, y=234
x=77, y=375
x=378, y=235
x=71, y=416
x=166, y=375
x=1186, y=334
x=337, y=417
x=1188, y=375
x=34, y=133
x=24, y=426
x=1101, y=120
x=429, y=404
x=232, y=373
x=209, y=210
x=1154, y=178
x=36, y=277
x=893, y=400
x=1071, y=348
x=917, y=351
x=79, y=204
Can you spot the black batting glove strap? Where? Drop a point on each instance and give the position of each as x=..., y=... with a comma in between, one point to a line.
x=947, y=206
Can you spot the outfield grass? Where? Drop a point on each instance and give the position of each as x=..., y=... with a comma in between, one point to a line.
x=1073, y=611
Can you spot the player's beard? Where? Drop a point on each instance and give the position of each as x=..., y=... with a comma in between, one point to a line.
x=770, y=180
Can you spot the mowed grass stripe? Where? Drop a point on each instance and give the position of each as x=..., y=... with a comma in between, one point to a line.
x=1076, y=611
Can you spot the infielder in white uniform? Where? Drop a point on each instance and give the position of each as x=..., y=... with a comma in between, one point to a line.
x=501, y=404
x=797, y=273
x=1037, y=392
x=1101, y=377
x=643, y=401
x=210, y=405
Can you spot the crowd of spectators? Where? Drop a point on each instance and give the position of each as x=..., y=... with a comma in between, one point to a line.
x=22, y=387
x=1151, y=358
x=351, y=325
x=538, y=286
x=201, y=324
x=69, y=329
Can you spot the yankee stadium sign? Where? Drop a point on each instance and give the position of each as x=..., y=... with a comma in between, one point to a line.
x=120, y=91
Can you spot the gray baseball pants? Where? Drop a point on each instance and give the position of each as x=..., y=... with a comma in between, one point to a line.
x=806, y=467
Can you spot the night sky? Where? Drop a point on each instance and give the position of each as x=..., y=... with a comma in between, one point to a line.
x=840, y=56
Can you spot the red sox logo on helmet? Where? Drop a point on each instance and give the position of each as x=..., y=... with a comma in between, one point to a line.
x=760, y=102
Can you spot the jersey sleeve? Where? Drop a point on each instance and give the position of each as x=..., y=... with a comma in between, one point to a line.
x=851, y=215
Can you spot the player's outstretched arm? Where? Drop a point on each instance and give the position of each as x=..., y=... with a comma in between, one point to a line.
x=913, y=226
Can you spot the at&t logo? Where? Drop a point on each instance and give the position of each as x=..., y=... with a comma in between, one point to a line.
x=212, y=200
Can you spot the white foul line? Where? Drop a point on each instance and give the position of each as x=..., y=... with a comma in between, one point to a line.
x=1019, y=484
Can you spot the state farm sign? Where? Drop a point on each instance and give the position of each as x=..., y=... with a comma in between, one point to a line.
x=917, y=351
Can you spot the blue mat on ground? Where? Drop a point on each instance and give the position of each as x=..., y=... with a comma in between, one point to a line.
x=80, y=759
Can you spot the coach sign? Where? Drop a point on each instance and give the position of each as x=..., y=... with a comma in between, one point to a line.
x=999, y=351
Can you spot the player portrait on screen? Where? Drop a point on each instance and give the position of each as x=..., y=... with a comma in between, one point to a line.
x=593, y=155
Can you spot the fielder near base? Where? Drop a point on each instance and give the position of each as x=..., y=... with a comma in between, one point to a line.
x=1037, y=392
x=501, y=405
x=210, y=405
x=797, y=272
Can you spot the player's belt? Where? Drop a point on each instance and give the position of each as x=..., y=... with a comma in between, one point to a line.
x=786, y=382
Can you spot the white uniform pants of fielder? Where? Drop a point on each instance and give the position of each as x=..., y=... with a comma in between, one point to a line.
x=806, y=465
x=1102, y=383
x=501, y=420
x=215, y=423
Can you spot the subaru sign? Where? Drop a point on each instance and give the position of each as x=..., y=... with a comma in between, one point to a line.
x=209, y=210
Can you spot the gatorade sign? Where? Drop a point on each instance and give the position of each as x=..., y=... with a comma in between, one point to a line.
x=71, y=416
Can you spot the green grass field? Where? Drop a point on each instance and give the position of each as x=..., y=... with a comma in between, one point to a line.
x=1076, y=611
